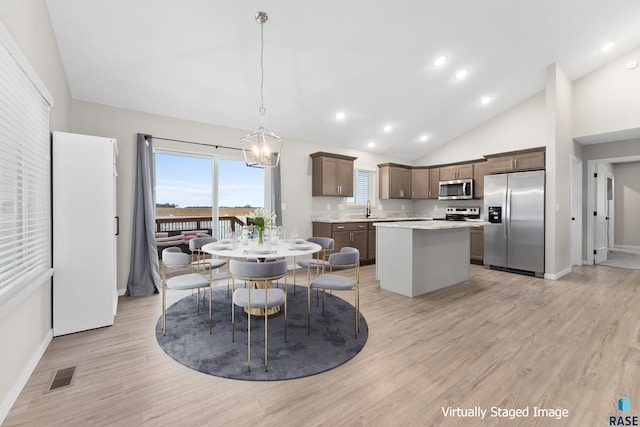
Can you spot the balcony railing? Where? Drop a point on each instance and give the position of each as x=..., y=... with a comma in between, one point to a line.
x=225, y=227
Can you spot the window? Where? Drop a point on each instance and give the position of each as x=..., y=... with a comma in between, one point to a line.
x=25, y=183
x=187, y=195
x=363, y=187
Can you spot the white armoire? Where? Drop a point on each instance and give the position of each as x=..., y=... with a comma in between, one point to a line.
x=85, y=229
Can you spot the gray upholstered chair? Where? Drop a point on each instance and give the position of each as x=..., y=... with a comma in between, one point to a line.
x=347, y=258
x=263, y=296
x=320, y=258
x=173, y=258
x=199, y=257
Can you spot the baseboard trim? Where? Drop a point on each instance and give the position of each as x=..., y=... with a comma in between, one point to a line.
x=558, y=275
x=627, y=248
x=13, y=394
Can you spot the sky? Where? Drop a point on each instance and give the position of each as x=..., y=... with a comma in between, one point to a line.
x=187, y=181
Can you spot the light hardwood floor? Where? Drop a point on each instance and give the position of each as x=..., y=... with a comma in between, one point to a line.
x=499, y=339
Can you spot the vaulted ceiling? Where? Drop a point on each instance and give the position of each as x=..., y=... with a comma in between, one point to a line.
x=373, y=60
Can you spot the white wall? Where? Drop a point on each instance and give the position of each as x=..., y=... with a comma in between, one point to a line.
x=607, y=100
x=520, y=127
x=626, y=201
x=559, y=144
x=26, y=329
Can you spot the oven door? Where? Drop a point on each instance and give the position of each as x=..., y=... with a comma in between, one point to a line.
x=459, y=189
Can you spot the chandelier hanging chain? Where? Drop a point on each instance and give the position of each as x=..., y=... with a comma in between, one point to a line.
x=262, y=109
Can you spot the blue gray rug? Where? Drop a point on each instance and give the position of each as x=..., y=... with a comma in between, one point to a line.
x=332, y=341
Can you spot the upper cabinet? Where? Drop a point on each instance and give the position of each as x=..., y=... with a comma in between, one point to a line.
x=420, y=183
x=395, y=181
x=462, y=171
x=332, y=174
x=434, y=182
x=524, y=160
x=479, y=171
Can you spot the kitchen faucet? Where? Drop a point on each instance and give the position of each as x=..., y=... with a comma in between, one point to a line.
x=368, y=212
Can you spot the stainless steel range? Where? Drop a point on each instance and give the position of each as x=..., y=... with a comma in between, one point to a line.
x=463, y=213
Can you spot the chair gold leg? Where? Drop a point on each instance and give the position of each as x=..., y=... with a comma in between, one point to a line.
x=249, y=338
x=266, y=336
x=210, y=309
x=233, y=315
x=309, y=310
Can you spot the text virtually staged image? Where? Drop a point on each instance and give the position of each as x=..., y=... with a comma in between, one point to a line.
x=416, y=214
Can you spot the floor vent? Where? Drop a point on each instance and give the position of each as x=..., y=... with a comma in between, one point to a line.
x=62, y=378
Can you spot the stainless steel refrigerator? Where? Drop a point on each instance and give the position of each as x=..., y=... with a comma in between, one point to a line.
x=514, y=208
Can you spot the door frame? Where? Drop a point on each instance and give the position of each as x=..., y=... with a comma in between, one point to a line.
x=576, y=211
x=591, y=202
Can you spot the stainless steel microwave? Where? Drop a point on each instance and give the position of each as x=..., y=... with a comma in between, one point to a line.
x=457, y=189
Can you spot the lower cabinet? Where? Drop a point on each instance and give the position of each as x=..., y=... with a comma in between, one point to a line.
x=353, y=234
x=477, y=245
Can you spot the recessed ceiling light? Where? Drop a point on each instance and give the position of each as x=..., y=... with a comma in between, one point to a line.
x=341, y=115
x=387, y=128
x=631, y=65
x=439, y=61
x=371, y=144
x=607, y=47
x=423, y=138
x=461, y=74
x=486, y=100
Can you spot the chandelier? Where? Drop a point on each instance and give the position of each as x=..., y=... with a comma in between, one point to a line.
x=261, y=148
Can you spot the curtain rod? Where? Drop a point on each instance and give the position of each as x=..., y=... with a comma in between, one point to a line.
x=196, y=143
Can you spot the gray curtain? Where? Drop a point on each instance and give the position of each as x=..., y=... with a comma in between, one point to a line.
x=144, y=275
x=276, y=193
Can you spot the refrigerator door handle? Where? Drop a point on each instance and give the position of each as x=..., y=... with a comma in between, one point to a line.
x=508, y=219
x=505, y=215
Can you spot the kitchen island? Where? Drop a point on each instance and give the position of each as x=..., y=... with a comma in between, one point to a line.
x=416, y=257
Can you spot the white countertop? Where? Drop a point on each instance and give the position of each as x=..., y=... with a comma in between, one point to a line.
x=431, y=225
x=372, y=219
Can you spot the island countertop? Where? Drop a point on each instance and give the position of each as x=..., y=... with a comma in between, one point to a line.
x=431, y=225
x=370, y=219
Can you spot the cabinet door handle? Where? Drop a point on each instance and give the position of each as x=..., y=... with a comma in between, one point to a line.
x=340, y=227
x=516, y=162
x=361, y=226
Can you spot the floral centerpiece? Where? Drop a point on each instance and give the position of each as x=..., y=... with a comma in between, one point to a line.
x=262, y=220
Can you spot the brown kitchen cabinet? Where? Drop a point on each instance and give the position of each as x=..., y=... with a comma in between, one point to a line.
x=434, y=183
x=420, y=183
x=477, y=245
x=395, y=181
x=515, y=161
x=462, y=171
x=353, y=234
x=479, y=171
x=332, y=175
x=372, y=242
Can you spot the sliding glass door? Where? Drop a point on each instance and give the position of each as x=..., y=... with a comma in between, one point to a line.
x=205, y=193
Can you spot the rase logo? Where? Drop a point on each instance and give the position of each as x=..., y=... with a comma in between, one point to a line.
x=623, y=405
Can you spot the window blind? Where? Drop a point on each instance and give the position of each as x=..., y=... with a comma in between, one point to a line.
x=361, y=187
x=25, y=204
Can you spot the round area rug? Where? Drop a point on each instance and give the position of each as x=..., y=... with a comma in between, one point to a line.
x=331, y=343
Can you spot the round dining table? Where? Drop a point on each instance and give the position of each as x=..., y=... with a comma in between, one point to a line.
x=262, y=253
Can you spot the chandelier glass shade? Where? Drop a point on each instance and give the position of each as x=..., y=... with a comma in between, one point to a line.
x=261, y=148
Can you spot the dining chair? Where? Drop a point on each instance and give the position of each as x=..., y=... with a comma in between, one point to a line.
x=319, y=259
x=262, y=296
x=347, y=258
x=174, y=259
x=199, y=257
